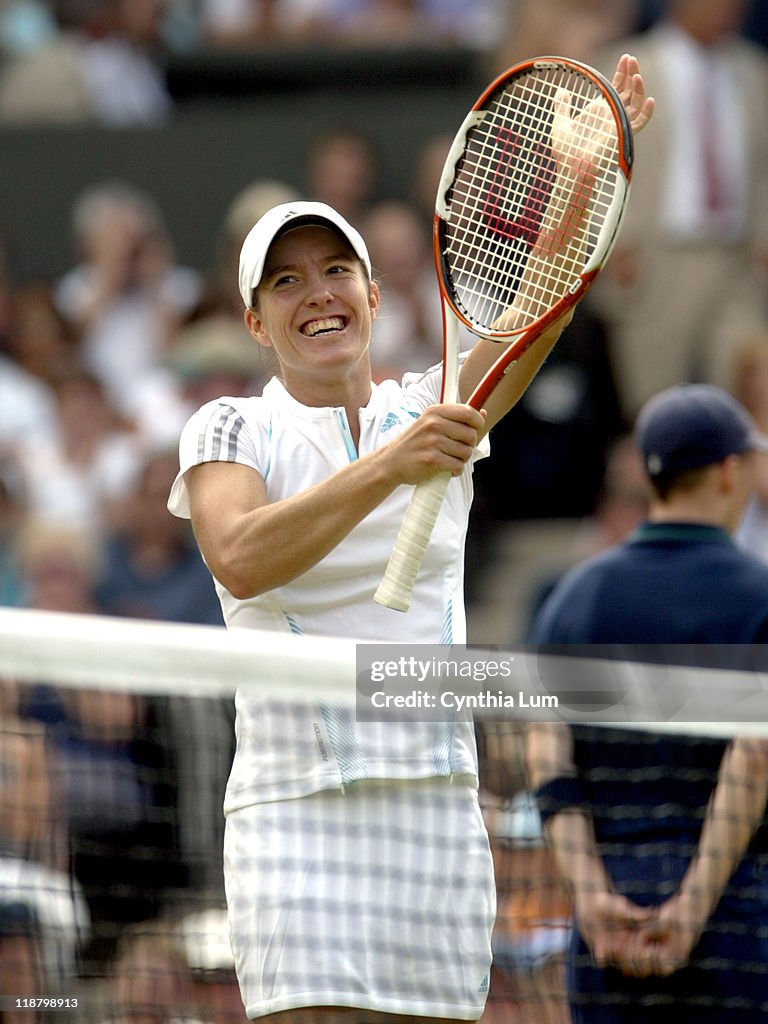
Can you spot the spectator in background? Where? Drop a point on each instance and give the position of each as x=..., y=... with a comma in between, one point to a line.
x=432, y=23
x=126, y=297
x=43, y=915
x=575, y=28
x=27, y=407
x=150, y=981
x=113, y=758
x=45, y=84
x=428, y=169
x=86, y=469
x=690, y=263
x=620, y=507
x=256, y=24
x=214, y=357
x=409, y=327
x=39, y=338
x=116, y=795
x=59, y=564
x=125, y=80
x=152, y=569
x=111, y=775
x=237, y=24
x=622, y=501
x=102, y=66
x=341, y=170
x=210, y=357
x=221, y=294
x=116, y=754
x=376, y=22
x=550, y=450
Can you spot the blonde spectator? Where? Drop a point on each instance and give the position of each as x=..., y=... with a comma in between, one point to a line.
x=126, y=296
x=59, y=565
x=222, y=295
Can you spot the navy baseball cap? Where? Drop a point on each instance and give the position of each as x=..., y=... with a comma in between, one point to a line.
x=694, y=425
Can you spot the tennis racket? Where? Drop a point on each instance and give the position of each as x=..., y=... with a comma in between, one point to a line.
x=528, y=207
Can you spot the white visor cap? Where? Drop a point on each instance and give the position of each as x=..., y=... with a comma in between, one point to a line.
x=280, y=219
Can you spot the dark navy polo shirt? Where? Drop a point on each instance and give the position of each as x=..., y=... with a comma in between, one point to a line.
x=671, y=584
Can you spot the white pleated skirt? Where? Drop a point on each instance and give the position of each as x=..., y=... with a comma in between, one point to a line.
x=380, y=897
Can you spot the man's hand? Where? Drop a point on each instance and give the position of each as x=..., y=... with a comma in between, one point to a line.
x=664, y=944
x=609, y=924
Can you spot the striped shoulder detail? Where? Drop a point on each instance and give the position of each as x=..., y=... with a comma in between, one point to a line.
x=293, y=625
x=217, y=441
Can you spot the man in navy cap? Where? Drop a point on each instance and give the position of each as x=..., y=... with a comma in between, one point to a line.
x=659, y=836
x=679, y=579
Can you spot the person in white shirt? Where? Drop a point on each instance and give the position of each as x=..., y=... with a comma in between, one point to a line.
x=357, y=866
x=127, y=295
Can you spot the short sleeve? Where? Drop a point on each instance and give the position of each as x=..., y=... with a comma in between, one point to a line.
x=217, y=432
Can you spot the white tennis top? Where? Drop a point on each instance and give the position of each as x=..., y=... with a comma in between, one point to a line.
x=284, y=749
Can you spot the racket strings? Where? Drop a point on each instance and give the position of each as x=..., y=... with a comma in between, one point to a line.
x=503, y=199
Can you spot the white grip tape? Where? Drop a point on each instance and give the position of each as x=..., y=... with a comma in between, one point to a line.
x=396, y=587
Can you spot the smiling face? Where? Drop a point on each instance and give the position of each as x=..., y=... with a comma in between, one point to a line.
x=315, y=309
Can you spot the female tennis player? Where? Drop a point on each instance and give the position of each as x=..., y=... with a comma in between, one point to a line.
x=358, y=873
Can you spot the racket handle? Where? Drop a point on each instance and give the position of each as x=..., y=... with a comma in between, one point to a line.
x=396, y=587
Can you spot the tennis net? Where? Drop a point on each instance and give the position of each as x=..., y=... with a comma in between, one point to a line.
x=116, y=743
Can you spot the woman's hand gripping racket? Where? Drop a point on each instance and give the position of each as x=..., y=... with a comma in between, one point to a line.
x=528, y=208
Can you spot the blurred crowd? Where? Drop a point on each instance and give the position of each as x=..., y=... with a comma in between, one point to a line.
x=104, y=61
x=100, y=368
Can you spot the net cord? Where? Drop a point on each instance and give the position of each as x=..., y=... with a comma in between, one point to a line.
x=105, y=653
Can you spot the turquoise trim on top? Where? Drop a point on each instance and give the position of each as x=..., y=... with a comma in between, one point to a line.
x=341, y=419
x=268, y=466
